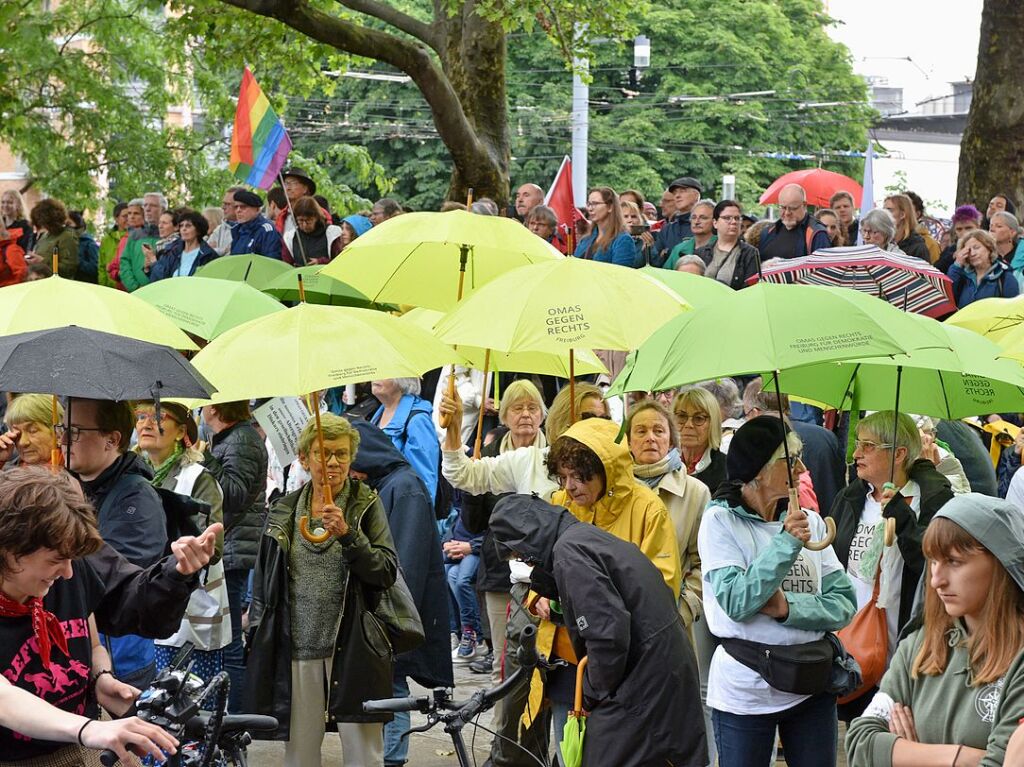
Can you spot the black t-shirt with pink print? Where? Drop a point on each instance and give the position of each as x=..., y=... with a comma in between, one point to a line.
x=66, y=683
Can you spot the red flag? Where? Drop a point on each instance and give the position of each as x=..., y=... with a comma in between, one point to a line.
x=560, y=199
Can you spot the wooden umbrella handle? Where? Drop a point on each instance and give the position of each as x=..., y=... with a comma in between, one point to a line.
x=443, y=419
x=830, y=525
x=577, y=700
x=312, y=538
x=325, y=489
x=890, y=531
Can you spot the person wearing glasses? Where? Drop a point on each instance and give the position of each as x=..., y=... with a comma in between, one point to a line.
x=97, y=435
x=761, y=585
x=893, y=481
x=169, y=445
x=878, y=228
x=699, y=419
x=728, y=259
x=796, y=233
x=609, y=239
x=316, y=649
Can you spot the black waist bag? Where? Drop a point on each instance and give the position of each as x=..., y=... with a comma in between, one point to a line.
x=803, y=669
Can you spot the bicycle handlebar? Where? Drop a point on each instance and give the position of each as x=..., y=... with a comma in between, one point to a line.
x=396, y=705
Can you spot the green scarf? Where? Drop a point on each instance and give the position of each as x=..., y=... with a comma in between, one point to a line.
x=160, y=472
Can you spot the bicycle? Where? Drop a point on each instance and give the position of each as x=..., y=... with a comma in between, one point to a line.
x=440, y=708
x=207, y=739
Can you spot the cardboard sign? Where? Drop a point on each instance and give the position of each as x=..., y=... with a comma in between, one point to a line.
x=283, y=419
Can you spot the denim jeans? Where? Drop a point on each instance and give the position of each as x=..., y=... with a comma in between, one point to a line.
x=396, y=748
x=808, y=732
x=234, y=655
x=462, y=584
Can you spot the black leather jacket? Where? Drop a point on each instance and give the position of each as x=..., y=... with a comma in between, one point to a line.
x=240, y=466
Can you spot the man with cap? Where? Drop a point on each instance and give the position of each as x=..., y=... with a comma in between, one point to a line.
x=954, y=691
x=297, y=183
x=686, y=191
x=253, y=233
x=640, y=686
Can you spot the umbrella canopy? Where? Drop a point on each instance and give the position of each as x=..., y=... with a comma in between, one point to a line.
x=562, y=305
x=696, y=290
x=541, y=363
x=253, y=268
x=308, y=348
x=820, y=185
x=207, y=307
x=416, y=258
x=56, y=302
x=79, y=362
x=906, y=282
x=994, y=318
x=960, y=381
x=773, y=327
x=318, y=288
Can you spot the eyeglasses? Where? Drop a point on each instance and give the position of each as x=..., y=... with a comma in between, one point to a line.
x=730, y=219
x=141, y=416
x=867, y=231
x=75, y=431
x=524, y=407
x=341, y=456
x=790, y=208
x=793, y=460
x=595, y=203
x=697, y=419
x=867, y=446
x=571, y=477
x=588, y=415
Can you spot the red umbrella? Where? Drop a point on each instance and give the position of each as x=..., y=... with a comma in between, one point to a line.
x=819, y=184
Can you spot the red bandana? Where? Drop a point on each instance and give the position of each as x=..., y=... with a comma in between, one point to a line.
x=45, y=625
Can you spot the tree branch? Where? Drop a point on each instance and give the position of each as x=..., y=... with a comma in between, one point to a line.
x=425, y=33
x=453, y=126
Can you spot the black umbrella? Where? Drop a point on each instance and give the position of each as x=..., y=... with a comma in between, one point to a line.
x=77, y=362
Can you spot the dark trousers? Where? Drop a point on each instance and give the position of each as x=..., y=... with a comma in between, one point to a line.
x=808, y=732
x=234, y=655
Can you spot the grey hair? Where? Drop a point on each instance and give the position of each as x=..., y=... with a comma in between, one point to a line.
x=1008, y=218
x=793, y=442
x=880, y=220
x=136, y=202
x=518, y=390
x=727, y=393
x=485, y=207
x=704, y=202
x=159, y=196
x=694, y=260
x=881, y=425
x=542, y=212
x=408, y=385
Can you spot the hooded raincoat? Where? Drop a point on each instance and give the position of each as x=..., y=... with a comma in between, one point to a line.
x=641, y=685
x=628, y=510
x=410, y=515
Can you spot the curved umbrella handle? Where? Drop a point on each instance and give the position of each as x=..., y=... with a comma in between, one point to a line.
x=577, y=700
x=824, y=543
x=890, y=531
x=312, y=538
x=443, y=419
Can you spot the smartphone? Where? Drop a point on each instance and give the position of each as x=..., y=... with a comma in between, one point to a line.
x=638, y=230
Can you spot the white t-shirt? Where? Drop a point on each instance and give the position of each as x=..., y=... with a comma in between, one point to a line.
x=892, y=562
x=728, y=540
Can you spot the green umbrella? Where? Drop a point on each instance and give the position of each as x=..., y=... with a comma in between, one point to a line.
x=56, y=303
x=207, y=307
x=993, y=318
x=318, y=288
x=575, y=728
x=698, y=291
x=964, y=380
x=433, y=259
x=253, y=268
x=773, y=327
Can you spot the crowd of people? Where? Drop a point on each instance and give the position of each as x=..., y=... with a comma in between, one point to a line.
x=678, y=541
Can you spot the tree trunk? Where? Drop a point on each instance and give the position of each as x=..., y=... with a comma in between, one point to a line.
x=474, y=60
x=992, y=149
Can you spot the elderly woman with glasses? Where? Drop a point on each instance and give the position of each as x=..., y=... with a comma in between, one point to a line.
x=169, y=446
x=762, y=586
x=893, y=482
x=699, y=419
x=878, y=228
x=316, y=650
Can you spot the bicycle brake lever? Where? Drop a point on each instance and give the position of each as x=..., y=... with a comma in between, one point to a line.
x=431, y=721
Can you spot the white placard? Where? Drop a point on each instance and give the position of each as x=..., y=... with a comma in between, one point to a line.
x=283, y=418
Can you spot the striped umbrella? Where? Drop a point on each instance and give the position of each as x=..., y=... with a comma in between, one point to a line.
x=906, y=282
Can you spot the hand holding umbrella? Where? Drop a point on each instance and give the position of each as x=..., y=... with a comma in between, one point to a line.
x=450, y=408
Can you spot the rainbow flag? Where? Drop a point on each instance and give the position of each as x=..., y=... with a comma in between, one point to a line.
x=259, y=143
